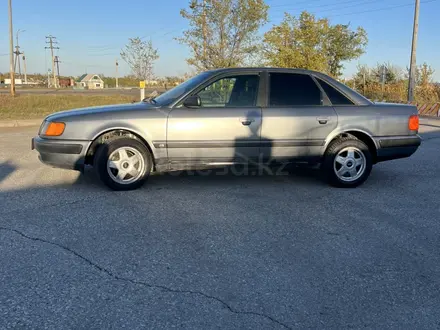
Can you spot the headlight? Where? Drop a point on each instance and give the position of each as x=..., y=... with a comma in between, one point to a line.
x=42, y=127
x=53, y=129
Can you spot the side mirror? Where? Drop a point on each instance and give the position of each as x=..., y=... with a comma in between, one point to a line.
x=192, y=101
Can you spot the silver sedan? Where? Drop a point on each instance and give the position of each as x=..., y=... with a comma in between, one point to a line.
x=228, y=117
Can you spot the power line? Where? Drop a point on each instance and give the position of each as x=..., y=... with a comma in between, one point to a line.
x=357, y=4
x=381, y=9
x=372, y=10
x=289, y=4
x=162, y=35
x=105, y=48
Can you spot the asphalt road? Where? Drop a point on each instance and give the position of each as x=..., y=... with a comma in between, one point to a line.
x=211, y=251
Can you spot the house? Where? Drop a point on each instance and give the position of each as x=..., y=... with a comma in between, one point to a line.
x=151, y=82
x=90, y=81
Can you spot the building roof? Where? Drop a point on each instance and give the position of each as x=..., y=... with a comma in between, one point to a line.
x=81, y=77
x=87, y=77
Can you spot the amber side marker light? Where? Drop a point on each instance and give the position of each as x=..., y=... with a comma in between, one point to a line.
x=413, y=123
x=55, y=129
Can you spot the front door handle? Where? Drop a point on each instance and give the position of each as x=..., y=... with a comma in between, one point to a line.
x=322, y=120
x=247, y=121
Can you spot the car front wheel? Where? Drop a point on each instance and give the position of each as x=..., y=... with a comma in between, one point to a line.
x=347, y=162
x=123, y=163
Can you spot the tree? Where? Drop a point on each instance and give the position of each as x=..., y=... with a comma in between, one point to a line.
x=424, y=74
x=222, y=33
x=387, y=72
x=311, y=43
x=140, y=56
x=343, y=44
x=297, y=43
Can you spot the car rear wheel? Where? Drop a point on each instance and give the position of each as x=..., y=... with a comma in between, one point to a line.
x=347, y=162
x=123, y=163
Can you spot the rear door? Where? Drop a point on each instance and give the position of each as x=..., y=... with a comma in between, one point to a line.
x=297, y=119
x=225, y=128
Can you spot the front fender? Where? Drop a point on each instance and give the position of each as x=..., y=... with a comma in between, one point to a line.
x=145, y=135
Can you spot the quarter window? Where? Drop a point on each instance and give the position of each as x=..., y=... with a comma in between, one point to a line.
x=291, y=89
x=336, y=97
x=237, y=91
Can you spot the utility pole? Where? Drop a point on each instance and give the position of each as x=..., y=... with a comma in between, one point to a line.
x=24, y=66
x=17, y=54
x=204, y=31
x=364, y=83
x=412, y=68
x=57, y=61
x=11, y=49
x=383, y=80
x=51, y=42
x=117, y=76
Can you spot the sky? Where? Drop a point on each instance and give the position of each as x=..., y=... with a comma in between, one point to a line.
x=91, y=33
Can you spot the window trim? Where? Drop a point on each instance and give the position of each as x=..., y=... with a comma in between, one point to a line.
x=224, y=75
x=325, y=101
x=338, y=90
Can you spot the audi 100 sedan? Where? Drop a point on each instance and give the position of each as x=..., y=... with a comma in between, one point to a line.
x=233, y=116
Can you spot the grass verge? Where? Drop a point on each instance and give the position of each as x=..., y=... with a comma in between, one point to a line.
x=39, y=106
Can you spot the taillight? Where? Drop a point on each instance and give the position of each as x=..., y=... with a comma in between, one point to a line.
x=413, y=122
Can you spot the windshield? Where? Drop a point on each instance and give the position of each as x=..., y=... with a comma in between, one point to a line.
x=173, y=94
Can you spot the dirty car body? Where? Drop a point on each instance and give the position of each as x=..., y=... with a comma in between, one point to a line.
x=235, y=116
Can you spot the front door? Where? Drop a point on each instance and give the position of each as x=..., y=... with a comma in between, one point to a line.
x=224, y=129
x=297, y=120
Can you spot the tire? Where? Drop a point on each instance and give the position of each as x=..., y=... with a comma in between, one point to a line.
x=351, y=158
x=117, y=169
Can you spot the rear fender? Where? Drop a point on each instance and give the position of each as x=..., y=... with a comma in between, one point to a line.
x=340, y=131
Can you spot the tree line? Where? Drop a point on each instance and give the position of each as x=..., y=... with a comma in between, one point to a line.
x=389, y=82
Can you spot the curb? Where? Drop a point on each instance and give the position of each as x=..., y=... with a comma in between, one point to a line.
x=21, y=122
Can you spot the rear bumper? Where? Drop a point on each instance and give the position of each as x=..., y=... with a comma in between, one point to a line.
x=61, y=153
x=397, y=147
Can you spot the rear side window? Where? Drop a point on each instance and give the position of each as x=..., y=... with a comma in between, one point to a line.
x=336, y=97
x=291, y=89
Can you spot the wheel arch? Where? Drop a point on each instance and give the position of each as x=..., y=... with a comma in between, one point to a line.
x=360, y=135
x=114, y=133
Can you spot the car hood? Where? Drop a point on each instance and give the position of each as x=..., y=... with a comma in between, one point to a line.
x=99, y=109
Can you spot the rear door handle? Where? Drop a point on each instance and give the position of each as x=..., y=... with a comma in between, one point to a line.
x=247, y=121
x=322, y=120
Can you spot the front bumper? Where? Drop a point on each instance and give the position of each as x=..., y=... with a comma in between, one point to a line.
x=397, y=147
x=61, y=153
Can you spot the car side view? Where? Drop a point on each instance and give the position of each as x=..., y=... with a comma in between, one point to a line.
x=234, y=116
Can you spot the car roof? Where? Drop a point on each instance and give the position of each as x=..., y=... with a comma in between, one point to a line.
x=291, y=70
x=352, y=94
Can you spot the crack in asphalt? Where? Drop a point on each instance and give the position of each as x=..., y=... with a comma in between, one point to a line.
x=152, y=286
x=47, y=206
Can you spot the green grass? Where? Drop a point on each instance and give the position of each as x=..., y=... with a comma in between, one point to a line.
x=38, y=106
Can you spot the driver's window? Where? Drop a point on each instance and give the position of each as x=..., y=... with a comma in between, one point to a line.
x=237, y=91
